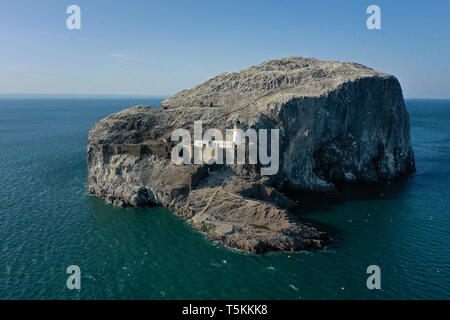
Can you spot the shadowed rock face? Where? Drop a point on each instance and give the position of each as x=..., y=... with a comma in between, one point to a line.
x=338, y=121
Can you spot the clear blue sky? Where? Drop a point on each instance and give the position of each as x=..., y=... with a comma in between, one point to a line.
x=160, y=47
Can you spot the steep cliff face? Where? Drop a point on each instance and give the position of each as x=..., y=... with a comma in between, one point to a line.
x=341, y=121
x=338, y=121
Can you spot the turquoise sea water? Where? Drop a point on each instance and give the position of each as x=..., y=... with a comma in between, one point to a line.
x=48, y=222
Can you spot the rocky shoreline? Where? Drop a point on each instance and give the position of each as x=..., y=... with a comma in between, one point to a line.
x=339, y=122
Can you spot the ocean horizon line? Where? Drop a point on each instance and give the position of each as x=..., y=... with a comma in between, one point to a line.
x=116, y=96
x=77, y=96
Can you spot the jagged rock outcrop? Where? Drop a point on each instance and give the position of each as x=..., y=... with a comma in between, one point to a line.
x=338, y=121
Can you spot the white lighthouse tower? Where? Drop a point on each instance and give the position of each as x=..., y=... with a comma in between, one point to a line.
x=238, y=138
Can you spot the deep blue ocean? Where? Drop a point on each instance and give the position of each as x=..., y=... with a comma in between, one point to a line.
x=48, y=222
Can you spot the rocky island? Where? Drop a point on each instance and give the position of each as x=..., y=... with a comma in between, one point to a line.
x=338, y=122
